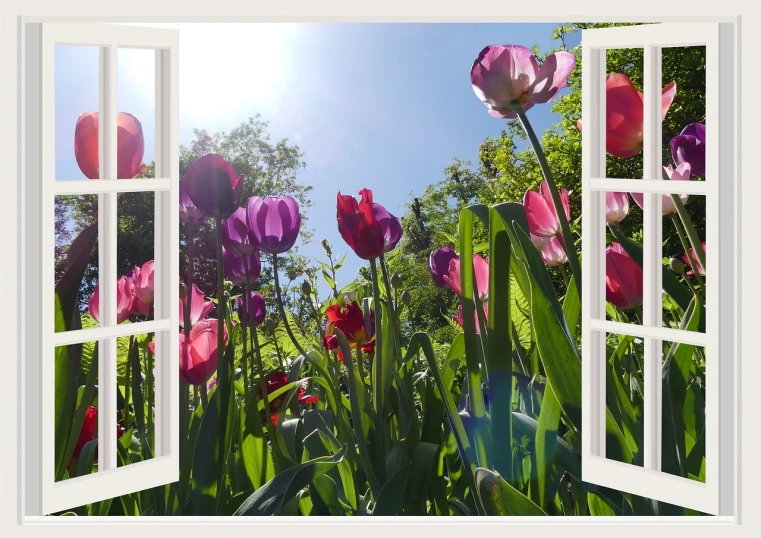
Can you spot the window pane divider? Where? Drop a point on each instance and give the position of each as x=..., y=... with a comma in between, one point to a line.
x=106, y=186
x=649, y=186
x=660, y=333
x=101, y=333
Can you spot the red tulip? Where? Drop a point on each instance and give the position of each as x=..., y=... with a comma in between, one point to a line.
x=214, y=186
x=125, y=297
x=198, y=354
x=276, y=380
x=130, y=145
x=624, y=106
x=87, y=433
x=623, y=278
x=481, y=271
x=350, y=320
x=543, y=221
x=358, y=225
x=693, y=261
x=199, y=308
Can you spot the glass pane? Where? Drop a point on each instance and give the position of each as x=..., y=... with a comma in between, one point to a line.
x=76, y=269
x=135, y=253
x=623, y=275
x=136, y=105
x=136, y=399
x=624, y=396
x=684, y=411
x=76, y=112
x=76, y=394
x=624, y=113
x=684, y=262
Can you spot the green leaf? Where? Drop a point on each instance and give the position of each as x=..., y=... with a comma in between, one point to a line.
x=389, y=501
x=572, y=307
x=600, y=506
x=206, y=457
x=257, y=459
x=501, y=499
x=87, y=457
x=267, y=500
x=546, y=440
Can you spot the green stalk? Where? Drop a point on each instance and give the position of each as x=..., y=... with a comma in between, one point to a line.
x=281, y=308
x=377, y=375
x=244, y=322
x=392, y=313
x=127, y=383
x=566, y=237
x=691, y=232
x=686, y=247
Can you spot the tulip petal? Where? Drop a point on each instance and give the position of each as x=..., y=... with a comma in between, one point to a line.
x=501, y=75
x=542, y=221
x=552, y=76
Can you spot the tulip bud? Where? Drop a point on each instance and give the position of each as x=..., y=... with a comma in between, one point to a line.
x=677, y=265
x=326, y=245
x=396, y=280
x=306, y=288
x=269, y=325
x=406, y=297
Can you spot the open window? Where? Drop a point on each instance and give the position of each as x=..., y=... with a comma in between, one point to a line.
x=56, y=345
x=706, y=347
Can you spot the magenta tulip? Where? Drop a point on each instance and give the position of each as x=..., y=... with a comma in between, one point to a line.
x=461, y=322
x=624, y=106
x=255, y=310
x=214, y=186
x=438, y=265
x=199, y=307
x=542, y=219
x=234, y=270
x=481, y=271
x=690, y=147
x=235, y=234
x=130, y=146
x=188, y=210
x=502, y=75
x=553, y=253
x=144, y=283
x=623, y=278
x=390, y=225
x=125, y=296
x=616, y=206
x=681, y=173
x=694, y=262
x=273, y=223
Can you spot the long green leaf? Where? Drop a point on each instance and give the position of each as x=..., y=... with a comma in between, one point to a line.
x=501, y=499
x=546, y=440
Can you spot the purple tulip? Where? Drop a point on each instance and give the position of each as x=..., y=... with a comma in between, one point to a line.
x=690, y=147
x=188, y=210
x=235, y=234
x=255, y=310
x=273, y=223
x=214, y=186
x=390, y=225
x=438, y=265
x=234, y=270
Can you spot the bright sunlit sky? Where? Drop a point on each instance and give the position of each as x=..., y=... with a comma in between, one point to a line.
x=383, y=106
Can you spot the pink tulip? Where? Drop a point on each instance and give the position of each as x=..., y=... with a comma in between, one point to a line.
x=144, y=283
x=616, y=206
x=130, y=145
x=481, y=270
x=199, y=308
x=504, y=74
x=623, y=278
x=125, y=296
x=459, y=319
x=624, y=106
x=694, y=262
x=553, y=253
x=682, y=173
x=543, y=221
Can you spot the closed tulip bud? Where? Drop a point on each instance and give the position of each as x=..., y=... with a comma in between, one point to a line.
x=396, y=280
x=676, y=265
x=306, y=288
x=326, y=245
x=406, y=297
x=269, y=325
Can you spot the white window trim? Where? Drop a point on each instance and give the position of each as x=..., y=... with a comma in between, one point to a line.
x=715, y=496
x=44, y=495
x=12, y=416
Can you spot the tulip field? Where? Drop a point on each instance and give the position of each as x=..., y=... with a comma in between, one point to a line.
x=445, y=378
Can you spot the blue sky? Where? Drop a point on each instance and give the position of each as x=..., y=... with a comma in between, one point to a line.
x=382, y=106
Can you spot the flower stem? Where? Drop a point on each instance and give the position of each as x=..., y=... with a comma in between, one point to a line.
x=281, y=308
x=691, y=232
x=222, y=367
x=686, y=248
x=127, y=383
x=567, y=238
x=392, y=312
x=244, y=322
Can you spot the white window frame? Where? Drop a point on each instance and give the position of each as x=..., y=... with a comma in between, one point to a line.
x=43, y=494
x=716, y=495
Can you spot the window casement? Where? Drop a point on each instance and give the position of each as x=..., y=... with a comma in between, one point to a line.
x=43, y=493
x=646, y=478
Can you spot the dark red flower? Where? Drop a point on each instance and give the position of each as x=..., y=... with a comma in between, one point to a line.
x=278, y=379
x=87, y=433
x=358, y=225
x=350, y=319
x=214, y=186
